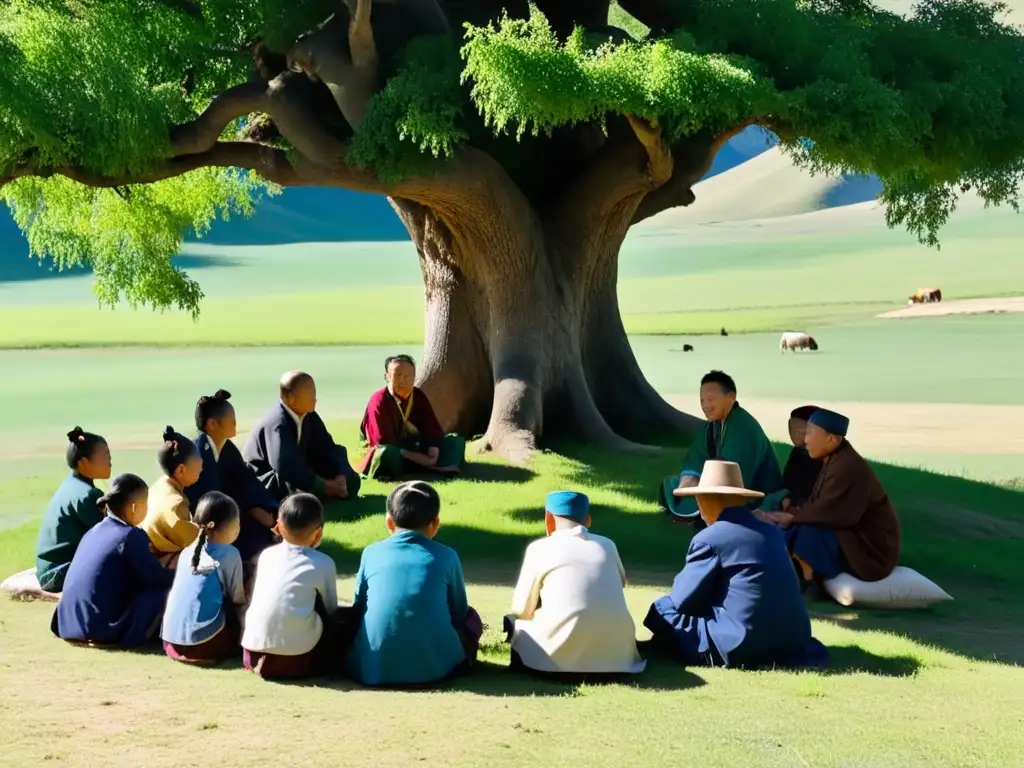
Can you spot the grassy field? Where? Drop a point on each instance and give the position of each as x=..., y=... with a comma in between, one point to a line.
x=940, y=687
x=886, y=700
x=825, y=268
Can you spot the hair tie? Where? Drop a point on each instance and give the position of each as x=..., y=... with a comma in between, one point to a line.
x=81, y=438
x=172, y=444
x=210, y=526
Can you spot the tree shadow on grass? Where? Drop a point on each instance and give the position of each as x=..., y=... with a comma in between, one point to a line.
x=965, y=535
x=852, y=660
x=355, y=509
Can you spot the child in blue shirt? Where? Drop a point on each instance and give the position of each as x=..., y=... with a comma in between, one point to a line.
x=206, y=605
x=115, y=589
x=416, y=625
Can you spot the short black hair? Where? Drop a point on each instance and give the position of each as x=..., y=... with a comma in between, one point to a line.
x=213, y=406
x=123, y=489
x=414, y=505
x=213, y=510
x=398, y=359
x=301, y=512
x=81, y=445
x=803, y=412
x=722, y=379
x=176, y=450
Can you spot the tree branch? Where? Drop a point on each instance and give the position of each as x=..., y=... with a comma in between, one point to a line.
x=658, y=154
x=203, y=132
x=693, y=159
x=270, y=163
x=360, y=37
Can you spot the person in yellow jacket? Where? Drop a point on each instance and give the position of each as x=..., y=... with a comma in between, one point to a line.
x=168, y=522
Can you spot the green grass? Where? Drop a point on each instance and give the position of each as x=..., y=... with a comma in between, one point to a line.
x=746, y=278
x=897, y=681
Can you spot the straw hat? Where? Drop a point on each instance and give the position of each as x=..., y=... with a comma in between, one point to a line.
x=721, y=478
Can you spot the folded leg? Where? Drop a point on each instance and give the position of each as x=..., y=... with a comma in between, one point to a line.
x=816, y=547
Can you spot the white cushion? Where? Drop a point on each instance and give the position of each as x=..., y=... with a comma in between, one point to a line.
x=903, y=588
x=25, y=586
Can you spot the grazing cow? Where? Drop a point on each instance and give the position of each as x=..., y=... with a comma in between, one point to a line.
x=794, y=340
x=926, y=296
x=723, y=333
x=687, y=347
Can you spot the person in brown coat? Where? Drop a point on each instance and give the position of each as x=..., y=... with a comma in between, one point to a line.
x=848, y=523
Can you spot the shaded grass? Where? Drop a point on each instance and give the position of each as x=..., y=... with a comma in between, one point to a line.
x=885, y=701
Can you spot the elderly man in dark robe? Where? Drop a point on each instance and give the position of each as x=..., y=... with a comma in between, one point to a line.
x=290, y=449
x=848, y=524
x=401, y=432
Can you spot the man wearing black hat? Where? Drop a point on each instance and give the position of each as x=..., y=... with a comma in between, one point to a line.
x=848, y=523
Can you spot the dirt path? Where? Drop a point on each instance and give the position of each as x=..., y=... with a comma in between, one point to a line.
x=962, y=307
x=911, y=427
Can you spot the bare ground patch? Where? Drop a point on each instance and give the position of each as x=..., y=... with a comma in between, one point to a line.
x=941, y=428
x=961, y=307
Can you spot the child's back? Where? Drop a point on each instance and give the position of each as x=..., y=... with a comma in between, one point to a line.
x=198, y=604
x=411, y=592
x=112, y=569
x=282, y=618
x=571, y=607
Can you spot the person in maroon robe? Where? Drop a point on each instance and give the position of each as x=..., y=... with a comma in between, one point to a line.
x=401, y=432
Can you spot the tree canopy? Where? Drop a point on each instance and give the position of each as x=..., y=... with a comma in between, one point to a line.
x=98, y=98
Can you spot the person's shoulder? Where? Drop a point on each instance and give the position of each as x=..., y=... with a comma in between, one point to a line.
x=377, y=397
x=320, y=559
x=442, y=551
x=604, y=541
x=223, y=552
x=272, y=416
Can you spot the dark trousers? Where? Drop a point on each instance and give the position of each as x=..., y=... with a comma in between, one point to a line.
x=326, y=659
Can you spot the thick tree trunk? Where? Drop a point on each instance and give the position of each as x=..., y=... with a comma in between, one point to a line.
x=523, y=334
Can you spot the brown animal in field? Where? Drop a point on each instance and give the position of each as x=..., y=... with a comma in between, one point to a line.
x=926, y=296
x=794, y=340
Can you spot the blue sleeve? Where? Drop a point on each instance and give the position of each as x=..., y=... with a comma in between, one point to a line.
x=359, y=599
x=283, y=456
x=458, y=603
x=693, y=587
x=143, y=562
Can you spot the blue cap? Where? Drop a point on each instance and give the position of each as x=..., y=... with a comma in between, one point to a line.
x=569, y=504
x=830, y=421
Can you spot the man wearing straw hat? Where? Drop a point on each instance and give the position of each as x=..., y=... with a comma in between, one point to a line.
x=737, y=601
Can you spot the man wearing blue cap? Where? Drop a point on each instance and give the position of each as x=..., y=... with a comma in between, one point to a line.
x=848, y=523
x=569, y=613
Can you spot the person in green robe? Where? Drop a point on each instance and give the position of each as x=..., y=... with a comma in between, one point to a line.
x=729, y=434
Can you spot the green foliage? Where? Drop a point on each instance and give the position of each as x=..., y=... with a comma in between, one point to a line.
x=933, y=104
x=524, y=78
x=127, y=236
x=416, y=117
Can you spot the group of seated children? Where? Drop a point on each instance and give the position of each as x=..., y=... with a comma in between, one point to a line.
x=219, y=557
x=834, y=513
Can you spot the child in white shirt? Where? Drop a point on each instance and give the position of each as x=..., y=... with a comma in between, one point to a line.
x=569, y=612
x=291, y=626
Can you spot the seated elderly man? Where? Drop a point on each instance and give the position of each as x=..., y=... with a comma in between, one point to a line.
x=402, y=433
x=737, y=601
x=290, y=449
x=848, y=523
x=730, y=433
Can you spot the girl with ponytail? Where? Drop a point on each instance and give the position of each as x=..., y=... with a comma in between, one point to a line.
x=115, y=589
x=206, y=605
x=225, y=470
x=72, y=511
x=169, y=520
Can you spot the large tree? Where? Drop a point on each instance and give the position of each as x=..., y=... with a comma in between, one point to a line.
x=517, y=145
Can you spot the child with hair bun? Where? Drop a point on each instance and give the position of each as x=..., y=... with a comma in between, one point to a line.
x=225, y=470
x=206, y=605
x=115, y=589
x=72, y=511
x=169, y=520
